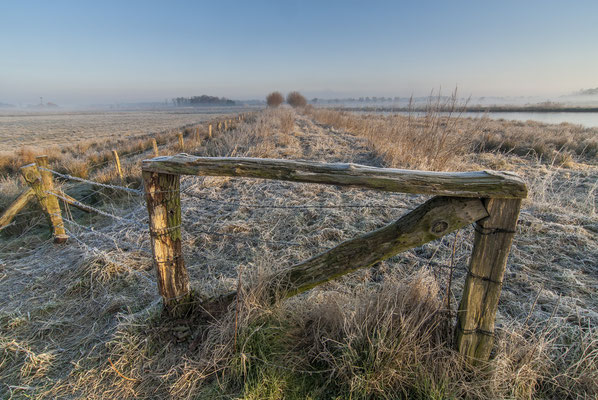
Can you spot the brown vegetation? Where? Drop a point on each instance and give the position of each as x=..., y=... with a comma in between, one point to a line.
x=274, y=99
x=432, y=142
x=86, y=322
x=296, y=99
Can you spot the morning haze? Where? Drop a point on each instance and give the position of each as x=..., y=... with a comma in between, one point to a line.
x=83, y=53
x=298, y=200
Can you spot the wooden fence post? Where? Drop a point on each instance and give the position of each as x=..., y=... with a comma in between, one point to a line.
x=181, y=141
x=210, y=131
x=119, y=170
x=219, y=126
x=477, y=310
x=225, y=125
x=162, y=193
x=155, y=146
x=17, y=205
x=42, y=184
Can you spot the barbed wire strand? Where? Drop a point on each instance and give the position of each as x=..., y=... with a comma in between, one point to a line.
x=74, y=178
x=96, y=210
x=255, y=205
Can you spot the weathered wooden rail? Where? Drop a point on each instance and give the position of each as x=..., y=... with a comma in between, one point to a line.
x=490, y=199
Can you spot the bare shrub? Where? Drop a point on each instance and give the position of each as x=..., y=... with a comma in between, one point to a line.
x=296, y=99
x=274, y=99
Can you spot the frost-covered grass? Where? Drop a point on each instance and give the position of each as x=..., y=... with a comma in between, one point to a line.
x=84, y=320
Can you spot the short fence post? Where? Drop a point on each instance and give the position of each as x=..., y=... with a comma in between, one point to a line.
x=219, y=126
x=197, y=134
x=119, y=170
x=181, y=141
x=210, y=131
x=42, y=184
x=225, y=125
x=155, y=146
x=477, y=310
x=162, y=193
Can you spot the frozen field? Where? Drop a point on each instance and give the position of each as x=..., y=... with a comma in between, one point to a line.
x=43, y=129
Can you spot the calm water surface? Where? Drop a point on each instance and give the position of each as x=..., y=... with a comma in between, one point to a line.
x=589, y=120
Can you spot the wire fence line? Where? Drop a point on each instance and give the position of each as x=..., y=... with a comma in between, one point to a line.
x=302, y=206
x=129, y=219
x=104, y=185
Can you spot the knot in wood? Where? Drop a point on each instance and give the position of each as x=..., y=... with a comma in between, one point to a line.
x=439, y=227
x=31, y=176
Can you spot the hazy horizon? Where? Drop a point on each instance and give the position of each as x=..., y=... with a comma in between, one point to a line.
x=97, y=53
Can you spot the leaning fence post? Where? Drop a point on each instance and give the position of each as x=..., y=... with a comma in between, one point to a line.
x=43, y=186
x=155, y=146
x=119, y=170
x=477, y=310
x=11, y=211
x=162, y=194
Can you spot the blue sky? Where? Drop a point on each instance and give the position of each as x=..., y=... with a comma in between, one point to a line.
x=110, y=51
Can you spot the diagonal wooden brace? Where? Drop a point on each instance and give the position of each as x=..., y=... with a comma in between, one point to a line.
x=433, y=219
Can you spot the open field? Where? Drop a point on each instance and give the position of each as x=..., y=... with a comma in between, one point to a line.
x=84, y=320
x=60, y=128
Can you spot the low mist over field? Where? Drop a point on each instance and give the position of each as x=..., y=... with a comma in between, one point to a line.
x=299, y=200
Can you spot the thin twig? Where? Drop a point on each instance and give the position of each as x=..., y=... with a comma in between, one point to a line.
x=121, y=375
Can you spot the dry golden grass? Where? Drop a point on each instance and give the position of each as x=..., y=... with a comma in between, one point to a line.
x=77, y=323
x=435, y=141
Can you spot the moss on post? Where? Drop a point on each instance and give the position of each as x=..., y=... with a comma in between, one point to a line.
x=43, y=186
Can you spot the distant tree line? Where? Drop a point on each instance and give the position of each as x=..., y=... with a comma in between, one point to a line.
x=589, y=92
x=202, y=101
x=373, y=99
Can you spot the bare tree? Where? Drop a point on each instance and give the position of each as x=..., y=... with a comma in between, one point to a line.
x=274, y=99
x=296, y=99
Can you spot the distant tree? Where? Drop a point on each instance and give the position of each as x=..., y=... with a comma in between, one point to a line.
x=296, y=99
x=201, y=101
x=274, y=99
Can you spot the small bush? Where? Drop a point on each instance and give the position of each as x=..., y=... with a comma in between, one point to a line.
x=296, y=99
x=274, y=99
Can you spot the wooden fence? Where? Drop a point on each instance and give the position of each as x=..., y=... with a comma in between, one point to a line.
x=491, y=200
x=39, y=178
